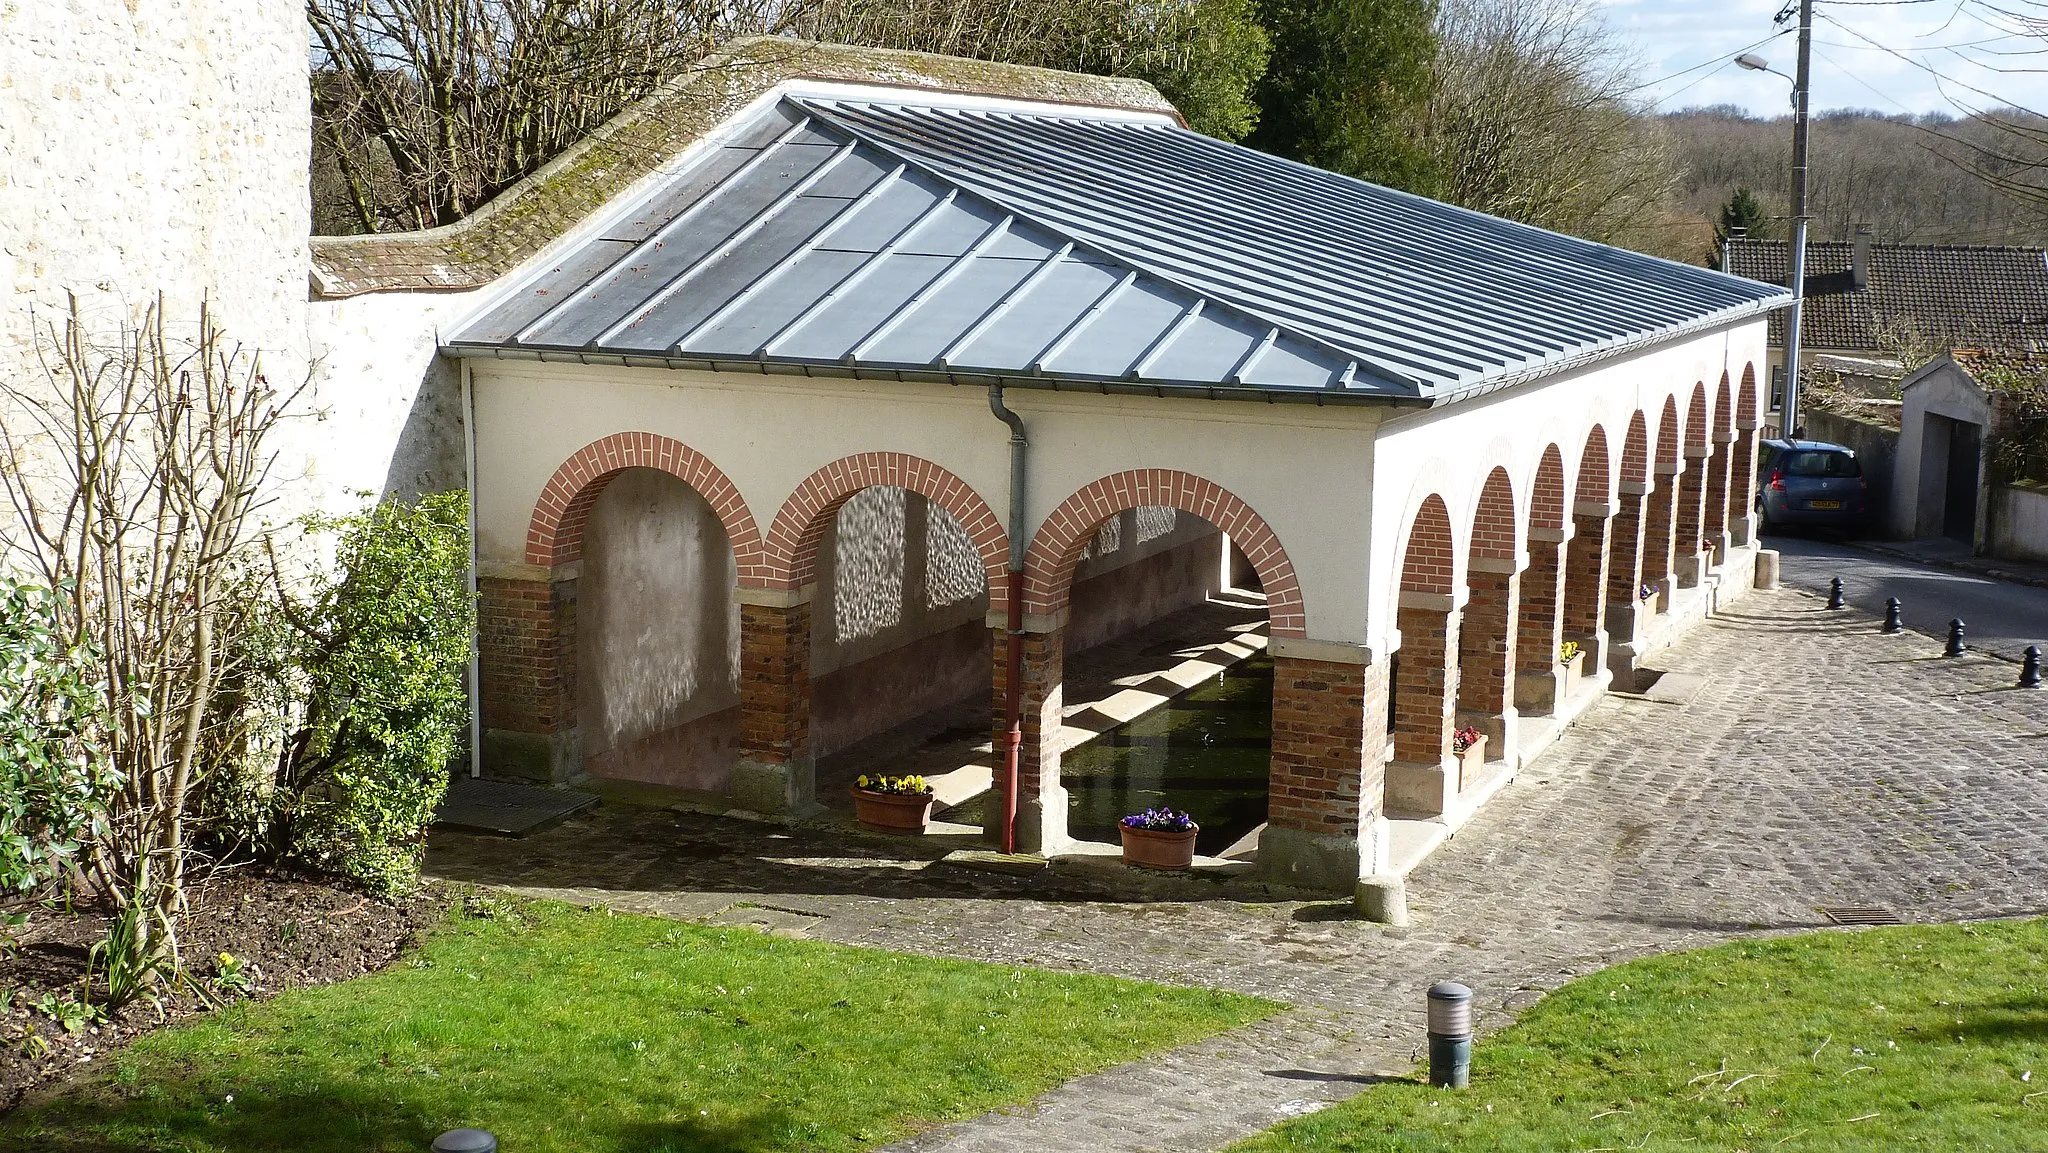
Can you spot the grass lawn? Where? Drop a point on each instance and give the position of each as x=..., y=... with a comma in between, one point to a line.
x=565, y=1029
x=1925, y=1037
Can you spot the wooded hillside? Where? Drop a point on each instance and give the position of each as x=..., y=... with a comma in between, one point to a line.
x=1895, y=172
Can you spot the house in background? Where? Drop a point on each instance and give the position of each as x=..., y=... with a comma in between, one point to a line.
x=1863, y=299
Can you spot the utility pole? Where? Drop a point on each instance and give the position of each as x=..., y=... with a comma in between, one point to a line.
x=1796, y=272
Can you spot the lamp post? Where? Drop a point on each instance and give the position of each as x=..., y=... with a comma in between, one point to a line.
x=1788, y=417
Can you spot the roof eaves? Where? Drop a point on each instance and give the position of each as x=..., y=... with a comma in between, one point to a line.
x=1551, y=366
x=1320, y=397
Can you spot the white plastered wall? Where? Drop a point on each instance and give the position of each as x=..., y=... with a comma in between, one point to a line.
x=1450, y=451
x=1920, y=466
x=1305, y=470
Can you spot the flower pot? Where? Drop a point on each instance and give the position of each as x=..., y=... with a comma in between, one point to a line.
x=893, y=812
x=1159, y=849
x=1471, y=761
x=1573, y=670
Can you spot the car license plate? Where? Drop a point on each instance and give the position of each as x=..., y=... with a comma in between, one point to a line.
x=1823, y=504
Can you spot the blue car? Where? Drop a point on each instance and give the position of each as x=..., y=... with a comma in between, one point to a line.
x=1810, y=483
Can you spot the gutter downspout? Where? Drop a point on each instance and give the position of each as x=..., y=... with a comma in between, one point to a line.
x=476, y=688
x=1013, y=681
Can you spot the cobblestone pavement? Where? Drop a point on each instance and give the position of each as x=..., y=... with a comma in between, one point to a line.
x=1818, y=764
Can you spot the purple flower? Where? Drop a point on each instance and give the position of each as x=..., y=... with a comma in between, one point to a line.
x=1159, y=820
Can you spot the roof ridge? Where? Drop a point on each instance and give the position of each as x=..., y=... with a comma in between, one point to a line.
x=1875, y=245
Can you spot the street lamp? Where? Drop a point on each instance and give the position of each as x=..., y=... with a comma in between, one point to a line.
x=1788, y=417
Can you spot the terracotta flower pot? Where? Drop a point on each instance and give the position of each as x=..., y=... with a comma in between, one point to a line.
x=1471, y=761
x=1159, y=849
x=893, y=812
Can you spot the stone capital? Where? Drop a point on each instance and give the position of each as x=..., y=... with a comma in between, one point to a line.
x=774, y=598
x=1310, y=649
x=1557, y=535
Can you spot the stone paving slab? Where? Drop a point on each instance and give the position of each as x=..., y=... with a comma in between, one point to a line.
x=1897, y=779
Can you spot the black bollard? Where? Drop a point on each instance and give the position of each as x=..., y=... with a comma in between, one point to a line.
x=465, y=1141
x=1892, y=623
x=1955, y=638
x=1835, y=598
x=2030, y=667
x=1450, y=1035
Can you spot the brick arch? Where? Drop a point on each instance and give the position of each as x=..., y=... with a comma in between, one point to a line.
x=555, y=535
x=1724, y=408
x=1546, y=494
x=1669, y=456
x=1494, y=530
x=1696, y=421
x=1428, y=563
x=1049, y=566
x=790, y=554
x=1594, y=467
x=1748, y=415
x=1635, y=450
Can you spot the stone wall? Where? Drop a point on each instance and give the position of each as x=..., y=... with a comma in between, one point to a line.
x=156, y=147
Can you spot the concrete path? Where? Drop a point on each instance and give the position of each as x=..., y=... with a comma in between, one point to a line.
x=1922, y=788
x=2000, y=616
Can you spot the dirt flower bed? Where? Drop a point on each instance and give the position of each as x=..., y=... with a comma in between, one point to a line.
x=282, y=933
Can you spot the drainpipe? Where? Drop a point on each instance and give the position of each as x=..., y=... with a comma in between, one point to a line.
x=1013, y=692
x=476, y=685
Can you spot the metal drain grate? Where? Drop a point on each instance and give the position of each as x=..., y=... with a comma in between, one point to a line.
x=1860, y=915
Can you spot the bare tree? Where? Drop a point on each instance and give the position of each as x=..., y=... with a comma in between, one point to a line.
x=425, y=109
x=1530, y=119
x=136, y=470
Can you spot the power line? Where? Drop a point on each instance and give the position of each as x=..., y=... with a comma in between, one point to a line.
x=1721, y=59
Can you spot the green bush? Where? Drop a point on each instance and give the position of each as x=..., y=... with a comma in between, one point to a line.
x=53, y=778
x=377, y=657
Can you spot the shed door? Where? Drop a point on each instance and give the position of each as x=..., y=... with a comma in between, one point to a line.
x=1959, y=511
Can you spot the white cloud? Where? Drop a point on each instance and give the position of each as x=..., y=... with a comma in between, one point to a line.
x=1848, y=72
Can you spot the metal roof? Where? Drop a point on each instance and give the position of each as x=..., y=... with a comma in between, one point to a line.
x=918, y=240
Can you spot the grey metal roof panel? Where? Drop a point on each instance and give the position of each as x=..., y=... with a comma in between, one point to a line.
x=932, y=241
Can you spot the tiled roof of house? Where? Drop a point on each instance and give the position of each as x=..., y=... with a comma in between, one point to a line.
x=926, y=239
x=526, y=217
x=1960, y=294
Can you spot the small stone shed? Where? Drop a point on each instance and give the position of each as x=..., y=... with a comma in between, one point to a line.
x=745, y=490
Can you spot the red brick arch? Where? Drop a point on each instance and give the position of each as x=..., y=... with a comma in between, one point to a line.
x=791, y=552
x=1593, y=468
x=1495, y=534
x=555, y=535
x=1635, y=450
x=1427, y=563
x=1670, y=457
x=1748, y=414
x=1696, y=423
x=1049, y=567
x=1724, y=410
x=1546, y=495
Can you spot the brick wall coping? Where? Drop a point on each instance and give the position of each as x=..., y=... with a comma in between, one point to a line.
x=525, y=218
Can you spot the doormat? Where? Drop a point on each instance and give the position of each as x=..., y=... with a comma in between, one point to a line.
x=474, y=805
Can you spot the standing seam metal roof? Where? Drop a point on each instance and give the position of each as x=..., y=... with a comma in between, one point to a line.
x=916, y=239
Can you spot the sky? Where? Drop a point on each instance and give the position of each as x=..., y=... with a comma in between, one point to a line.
x=1952, y=37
